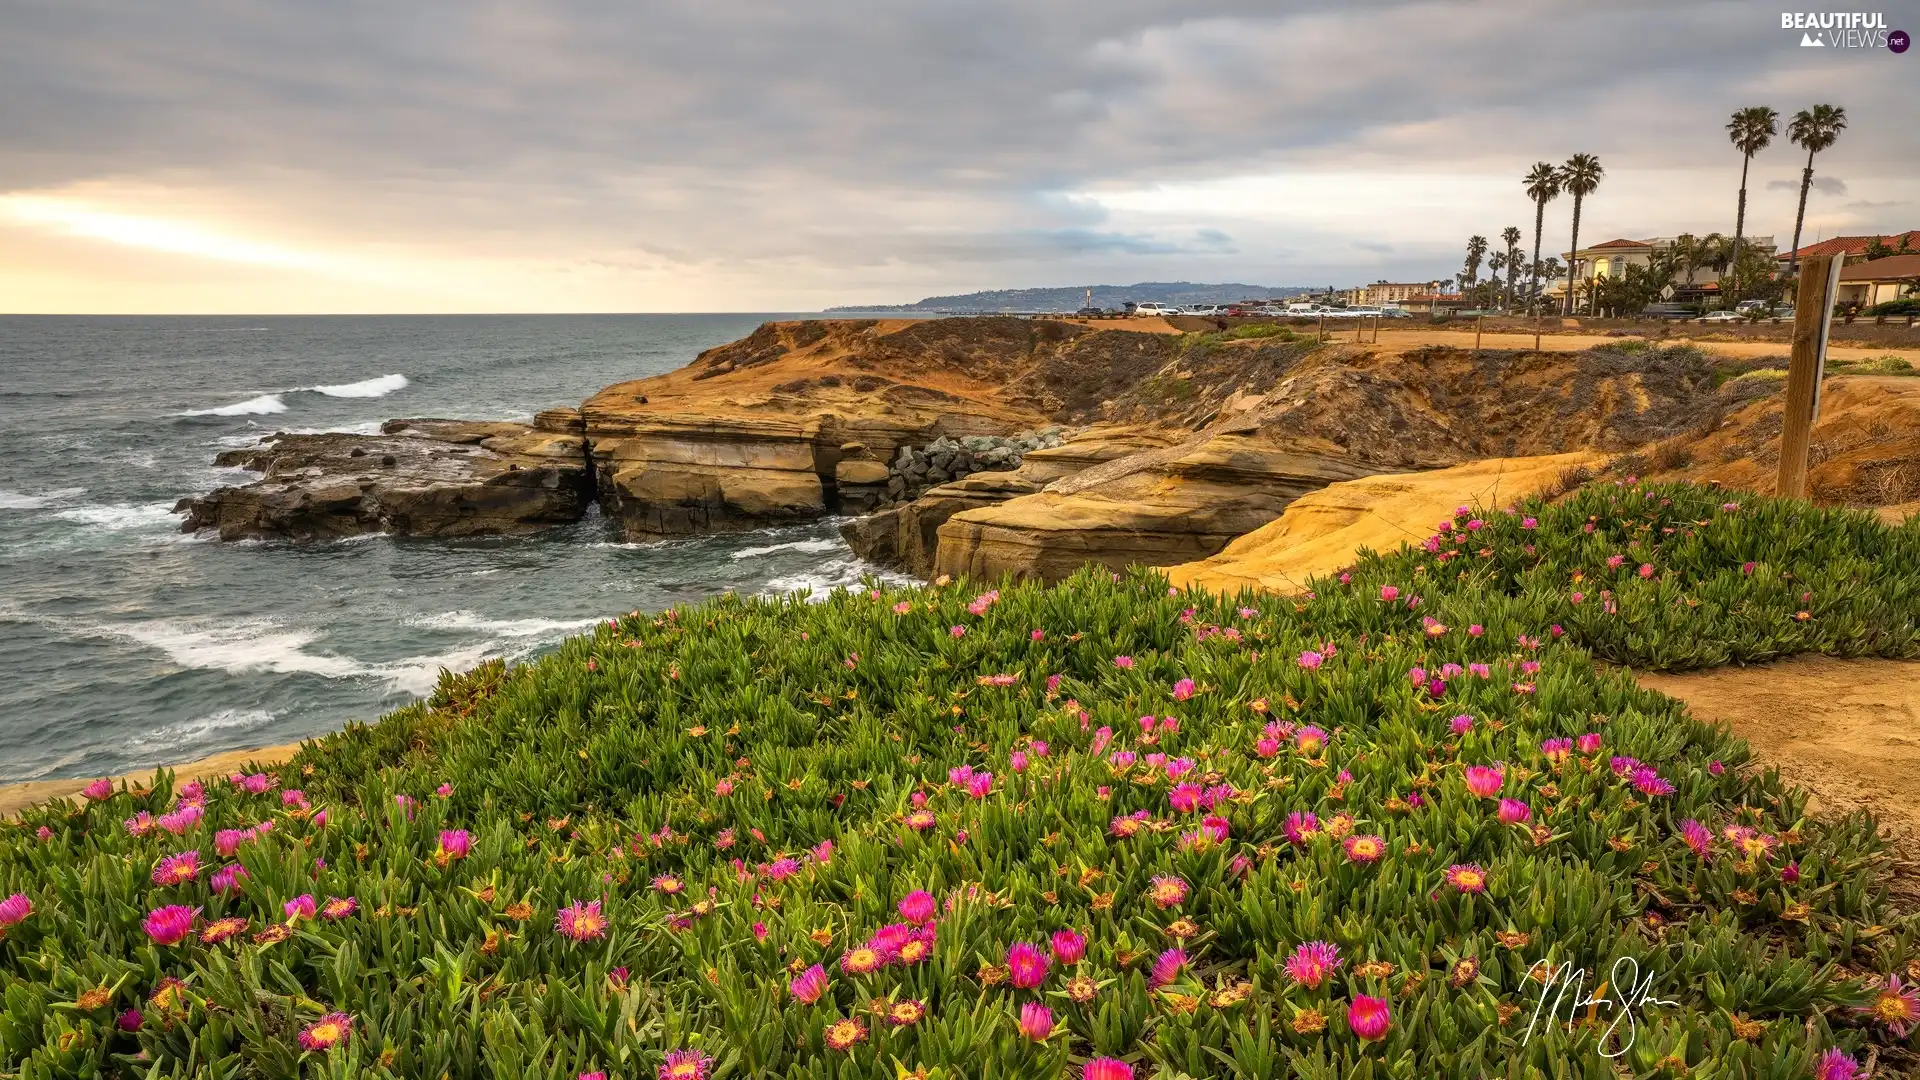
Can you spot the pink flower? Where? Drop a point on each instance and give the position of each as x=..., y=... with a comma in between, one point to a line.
x=1459, y=725
x=1364, y=849
x=444, y=791
x=1716, y=768
x=180, y=821
x=129, y=1021
x=1017, y=761
x=1648, y=782
x=300, y=907
x=99, y=789
x=327, y=1032
x=581, y=921
x=1311, y=660
x=686, y=1065
x=1036, y=1021
x=1529, y=523
x=169, y=925
x=1166, y=967
x=1646, y=570
x=809, y=985
x=1513, y=811
x=14, y=910
x=1166, y=891
x=1183, y=690
x=177, y=869
x=1467, y=877
x=1697, y=837
x=1836, y=1064
x=1302, y=827
x=1068, y=946
x=1588, y=743
x=1896, y=1007
x=957, y=631
x=1313, y=963
x=1389, y=593
x=226, y=880
x=1106, y=1068
x=455, y=843
x=1309, y=739
x=1027, y=965
x=339, y=908
x=1123, y=662
x=227, y=841
x=1484, y=780
x=1368, y=1017
x=902, y=607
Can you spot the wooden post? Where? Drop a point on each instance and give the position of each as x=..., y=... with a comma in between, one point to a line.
x=1321, y=333
x=1812, y=310
x=1536, y=330
x=1479, y=322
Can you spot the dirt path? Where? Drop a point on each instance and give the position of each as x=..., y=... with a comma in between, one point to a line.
x=1846, y=730
x=17, y=797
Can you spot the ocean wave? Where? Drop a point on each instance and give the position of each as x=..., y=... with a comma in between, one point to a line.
x=832, y=575
x=189, y=731
x=417, y=676
x=509, y=628
x=812, y=547
x=365, y=388
x=256, y=406
x=117, y=517
x=15, y=500
x=237, y=648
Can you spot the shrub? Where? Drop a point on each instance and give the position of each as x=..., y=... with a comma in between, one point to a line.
x=1213, y=836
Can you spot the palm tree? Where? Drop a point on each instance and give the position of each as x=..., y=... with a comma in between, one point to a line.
x=1813, y=130
x=1578, y=177
x=1511, y=236
x=1543, y=186
x=1476, y=251
x=1752, y=130
x=1496, y=262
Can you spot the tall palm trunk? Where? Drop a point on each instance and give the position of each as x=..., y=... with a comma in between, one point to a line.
x=1739, y=227
x=1533, y=275
x=1806, y=181
x=1573, y=253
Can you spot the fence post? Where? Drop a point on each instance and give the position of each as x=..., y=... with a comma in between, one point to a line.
x=1812, y=314
x=1479, y=323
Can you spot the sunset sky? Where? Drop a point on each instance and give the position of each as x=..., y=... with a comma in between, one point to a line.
x=748, y=155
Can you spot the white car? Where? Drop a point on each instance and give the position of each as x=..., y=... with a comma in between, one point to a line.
x=1723, y=317
x=1145, y=310
x=1206, y=311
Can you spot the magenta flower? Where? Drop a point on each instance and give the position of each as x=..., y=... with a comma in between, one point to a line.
x=1365, y=849
x=14, y=910
x=1696, y=836
x=338, y=907
x=1588, y=743
x=1461, y=724
x=1309, y=739
x=1369, y=1017
x=327, y=1032
x=226, y=880
x=809, y=985
x=1556, y=750
x=177, y=869
x=129, y=1021
x=1313, y=963
x=918, y=907
x=1166, y=891
x=956, y=631
x=455, y=843
x=99, y=789
x=1068, y=946
x=1123, y=662
x=1166, y=967
x=1302, y=827
x=1106, y=1068
x=1484, y=780
x=1027, y=965
x=1311, y=660
x=685, y=1065
x=228, y=841
x=1389, y=593
x=1467, y=877
x=302, y=906
x=1513, y=811
x=1649, y=782
x=1896, y=1007
x=1183, y=690
x=1017, y=761
x=169, y=925
x=1036, y=1021
x=1836, y=1064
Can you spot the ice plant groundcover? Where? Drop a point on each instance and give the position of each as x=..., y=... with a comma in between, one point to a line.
x=1403, y=826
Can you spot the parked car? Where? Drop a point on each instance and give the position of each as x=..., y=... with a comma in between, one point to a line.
x=1155, y=309
x=1206, y=311
x=1723, y=317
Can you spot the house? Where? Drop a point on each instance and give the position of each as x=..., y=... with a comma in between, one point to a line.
x=1611, y=258
x=1436, y=302
x=1855, y=247
x=1877, y=282
x=1382, y=293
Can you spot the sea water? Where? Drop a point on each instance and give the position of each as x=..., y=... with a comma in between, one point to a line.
x=126, y=643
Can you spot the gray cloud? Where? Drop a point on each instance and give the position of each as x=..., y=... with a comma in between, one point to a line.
x=1825, y=185
x=835, y=141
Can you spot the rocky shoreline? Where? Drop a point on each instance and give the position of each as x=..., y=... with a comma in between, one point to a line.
x=981, y=446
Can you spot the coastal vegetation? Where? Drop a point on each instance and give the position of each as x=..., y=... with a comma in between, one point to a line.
x=1102, y=829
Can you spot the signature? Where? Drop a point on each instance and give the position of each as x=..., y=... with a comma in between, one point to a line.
x=1566, y=985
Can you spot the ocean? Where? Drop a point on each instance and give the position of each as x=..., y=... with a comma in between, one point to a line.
x=125, y=643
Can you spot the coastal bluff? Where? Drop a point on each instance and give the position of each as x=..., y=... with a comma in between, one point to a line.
x=976, y=446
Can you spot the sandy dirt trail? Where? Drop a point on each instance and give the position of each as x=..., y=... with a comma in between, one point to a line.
x=1846, y=730
x=17, y=797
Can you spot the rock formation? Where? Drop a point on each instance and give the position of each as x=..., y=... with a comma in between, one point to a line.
x=443, y=478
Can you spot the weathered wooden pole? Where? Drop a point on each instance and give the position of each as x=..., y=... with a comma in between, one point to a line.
x=1812, y=314
x=1321, y=333
x=1479, y=323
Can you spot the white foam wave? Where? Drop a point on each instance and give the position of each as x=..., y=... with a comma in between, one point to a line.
x=418, y=675
x=832, y=575
x=15, y=500
x=118, y=517
x=811, y=547
x=199, y=727
x=238, y=647
x=258, y=406
x=365, y=388
x=511, y=628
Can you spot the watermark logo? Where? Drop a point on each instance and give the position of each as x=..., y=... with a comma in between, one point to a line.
x=1844, y=30
x=1605, y=1013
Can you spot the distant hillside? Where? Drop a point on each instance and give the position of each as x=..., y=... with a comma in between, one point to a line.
x=1073, y=297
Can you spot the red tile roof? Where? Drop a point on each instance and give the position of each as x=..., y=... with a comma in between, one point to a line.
x=1619, y=244
x=1892, y=268
x=1851, y=245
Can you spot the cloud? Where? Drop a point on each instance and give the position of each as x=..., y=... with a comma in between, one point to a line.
x=740, y=153
x=1825, y=185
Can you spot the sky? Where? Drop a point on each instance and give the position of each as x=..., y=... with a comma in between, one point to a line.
x=264, y=156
